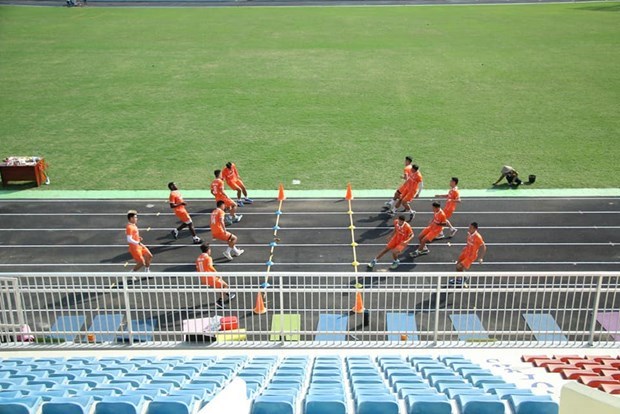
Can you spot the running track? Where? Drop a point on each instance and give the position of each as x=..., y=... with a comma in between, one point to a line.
x=543, y=234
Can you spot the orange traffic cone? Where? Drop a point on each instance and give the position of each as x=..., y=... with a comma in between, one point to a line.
x=281, y=195
x=349, y=195
x=359, y=303
x=260, y=307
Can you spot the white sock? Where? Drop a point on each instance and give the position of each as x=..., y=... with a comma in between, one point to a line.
x=235, y=250
x=392, y=202
x=228, y=249
x=147, y=269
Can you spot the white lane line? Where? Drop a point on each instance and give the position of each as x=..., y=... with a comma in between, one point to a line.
x=206, y=229
x=97, y=246
x=305, y=213
x=304, y=264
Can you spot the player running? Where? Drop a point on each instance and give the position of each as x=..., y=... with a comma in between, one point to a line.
x=403, y=234
x=204, y=264
x=399, y=190
x=231, y=176
x=453, y=198
x=469, y=254
x=178, y=205
x=218, y=231
x=412, y=188
x=217, y=189
x=140, y=253
x=430, y=232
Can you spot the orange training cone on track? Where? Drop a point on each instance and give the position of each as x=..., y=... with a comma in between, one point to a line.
x=260, y=307
x=281, y=195
x=349, y=195
x=359, y=303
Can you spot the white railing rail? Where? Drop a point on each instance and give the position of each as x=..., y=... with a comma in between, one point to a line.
x=391, y=309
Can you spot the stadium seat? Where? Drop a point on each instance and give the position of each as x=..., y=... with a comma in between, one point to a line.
x=376, y=404
x=177, y=404
x=20, y=405
x=72, y=405
x=595, y=382
x=325, y=404
x=128, y=404
x=610, y=388
x=428, y=404
x=274, y=404
x=480, y=404
x=533, y=404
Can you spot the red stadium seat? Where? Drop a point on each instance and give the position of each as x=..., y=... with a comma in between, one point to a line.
x=531, y=358
x=610, y=388
x=595, y=382
x=577, y=373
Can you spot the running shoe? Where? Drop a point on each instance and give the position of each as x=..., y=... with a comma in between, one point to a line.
x=440, y=236
x=237, y=218
x=175, y=234
x=372, y=263
x=227, y=255
x=231, y=296
x=395, y=264
x=197, y=240
x=411, y=215
x=237, y=253
x=239, y=203
x=228, y=221
x=219, y=304
x=453, y=232
x=248, y=200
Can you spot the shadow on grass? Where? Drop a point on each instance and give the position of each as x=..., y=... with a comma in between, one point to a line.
x=601, y=7
x=16, y=188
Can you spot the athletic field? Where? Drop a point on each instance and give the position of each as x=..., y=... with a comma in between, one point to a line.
x=131, y=98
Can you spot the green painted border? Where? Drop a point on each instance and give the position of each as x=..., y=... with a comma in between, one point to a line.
x=34, y=193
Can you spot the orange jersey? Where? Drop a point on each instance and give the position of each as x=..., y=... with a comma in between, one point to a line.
x=413, y=182
x=407, y=171
x=439, y=218
x=453, y=196
x=474, y=242
x=204, y=264
x=217, y=188
x=175, y=198
x=402, y=232
x=217, y=222
x=230, y=175
x=132, y=230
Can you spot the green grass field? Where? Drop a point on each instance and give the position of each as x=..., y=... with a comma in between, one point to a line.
x=120, y=98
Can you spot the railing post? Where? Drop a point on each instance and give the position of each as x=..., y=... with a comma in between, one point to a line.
x=595, y=311
x=281, y=290
x=437, y=302
x=127, y=310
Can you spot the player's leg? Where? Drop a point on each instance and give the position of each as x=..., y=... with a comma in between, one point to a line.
x=148, y=257
x=245, y=192
x=192, y=230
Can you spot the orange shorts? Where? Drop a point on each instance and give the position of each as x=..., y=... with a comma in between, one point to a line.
x=213, y=281
x=235, y=184
x=225, y=236
x=403, y=188
x=408, y=196
x=183, y=215
x=466, y=260
x=396, y=243
x=430, y=232
x=138, y=253
x=449, y=210
x=228, y=203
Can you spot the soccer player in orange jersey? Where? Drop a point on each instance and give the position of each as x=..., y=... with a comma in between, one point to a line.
x=453, y=198
x=403, y=233
x=231, y=176
x=140, y=253
x=178, y=205
x=411, y=190
x=469, y=254
x=399, y=190
x=430, y=232
x=218, y=231
x=217, y=189
x=204, y=264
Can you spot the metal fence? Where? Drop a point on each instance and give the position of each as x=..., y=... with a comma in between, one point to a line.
x=337, y=310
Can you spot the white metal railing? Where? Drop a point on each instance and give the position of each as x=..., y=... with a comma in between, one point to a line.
x=391, y=309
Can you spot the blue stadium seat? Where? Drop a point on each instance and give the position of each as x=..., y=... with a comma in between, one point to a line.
x=11, y=394
x=480, y=404
x=147, y=394
x=99, y=394
x=274, y=404
x=533, y=404
x=452, y=393
x=428, y=404
x=415, y=389
x=9, y=383
x=376, y=404
x=50, y=382
x=325, y=404
x=72, y=405
x=132, y=404
x=505, y=393
x=172, y=404
x=20, y=405
x=47, y=395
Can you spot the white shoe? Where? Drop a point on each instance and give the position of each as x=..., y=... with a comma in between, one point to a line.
x=227, y=255
x=237, y=218
x=238, y=252
x=453, y=232
x=197, y=240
